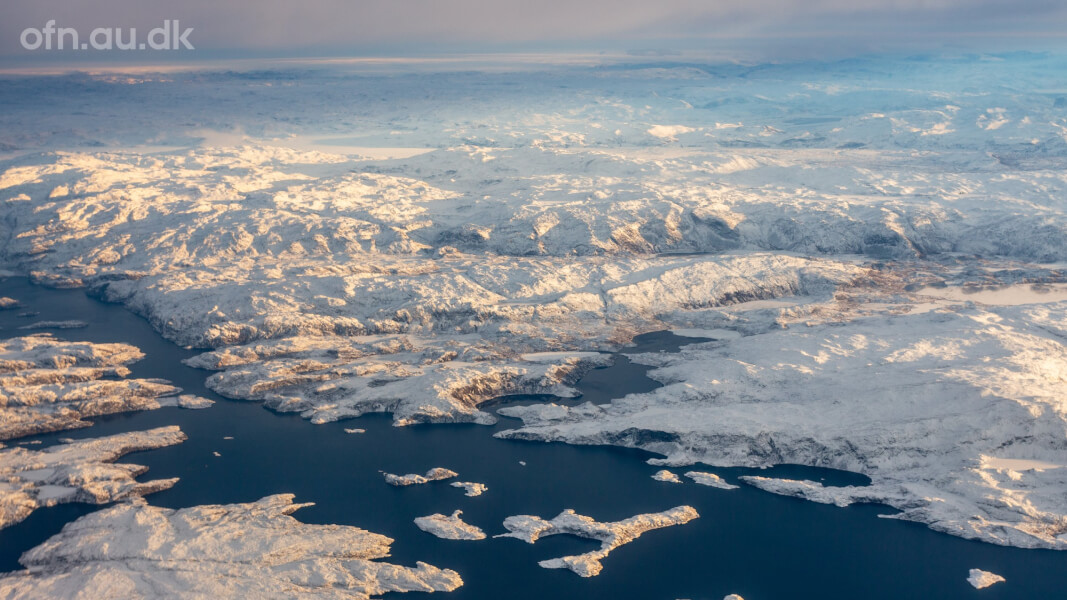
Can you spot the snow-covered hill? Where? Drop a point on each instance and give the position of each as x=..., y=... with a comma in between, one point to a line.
x=342, y=243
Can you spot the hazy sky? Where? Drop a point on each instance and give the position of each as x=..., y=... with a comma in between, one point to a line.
x=295, y=27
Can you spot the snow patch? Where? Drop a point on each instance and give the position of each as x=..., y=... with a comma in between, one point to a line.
x=611, y=535
x=435, y=474
x=449, y=528
x=983, y=579
x=710, y=479
x=253, y=550
x=666, y=476
x=470, y=488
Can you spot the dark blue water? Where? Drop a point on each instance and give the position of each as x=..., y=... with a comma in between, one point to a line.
x=748, y=542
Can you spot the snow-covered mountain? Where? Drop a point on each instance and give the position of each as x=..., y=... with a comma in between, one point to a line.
x=342, y=243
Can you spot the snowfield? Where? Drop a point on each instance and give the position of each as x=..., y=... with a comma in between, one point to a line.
x=924, y=404
x=877, y=248
x=78, y=471
x=982, y=579
x=434, y=474
x=471, y=488
x=48, y=384
x=530, y=528
x=134, y=550
x=449, y=527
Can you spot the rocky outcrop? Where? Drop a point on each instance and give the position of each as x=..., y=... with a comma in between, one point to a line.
x=48, y=384
x=610, y=535
x=220, y=551
x=78, y=471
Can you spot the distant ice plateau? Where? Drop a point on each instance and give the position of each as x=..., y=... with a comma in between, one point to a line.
x=879, y=251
